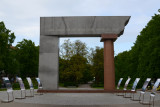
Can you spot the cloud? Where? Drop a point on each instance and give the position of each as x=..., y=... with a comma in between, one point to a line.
x=23, y=16
x=30, y=30
x=91, y=42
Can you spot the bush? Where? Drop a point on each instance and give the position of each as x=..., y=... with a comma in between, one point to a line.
x=94, y=85
x=15, y=86
x=35, y=83
x=70, y=84
x=26, y=84
x=0, y=84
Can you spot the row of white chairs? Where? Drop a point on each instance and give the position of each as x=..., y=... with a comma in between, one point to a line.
x=22, y=89
x=142, y=93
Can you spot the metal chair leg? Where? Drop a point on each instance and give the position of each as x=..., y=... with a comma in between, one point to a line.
x=12, y=96
x=140, y=98
x=8, y=96
x=143, y=98
x=153, y=101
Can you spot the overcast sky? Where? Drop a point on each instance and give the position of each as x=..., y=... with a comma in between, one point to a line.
x=23, y=17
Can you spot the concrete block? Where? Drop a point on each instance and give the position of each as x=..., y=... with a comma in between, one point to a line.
x=83, y=26
x=49, y=44
x=49, y=62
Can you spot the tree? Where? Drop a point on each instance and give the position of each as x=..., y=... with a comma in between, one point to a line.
x=98, y=65
x=149, y=57
x=80, y=48
x=143, y=59
x=7, y=54
x=28, y=57
x=73, y=63
x=66, y=50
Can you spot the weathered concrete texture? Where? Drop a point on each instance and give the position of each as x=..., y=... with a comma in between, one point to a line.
x=49, y=62
x=83, y=26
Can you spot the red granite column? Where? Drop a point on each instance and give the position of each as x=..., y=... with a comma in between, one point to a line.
x=109, y=70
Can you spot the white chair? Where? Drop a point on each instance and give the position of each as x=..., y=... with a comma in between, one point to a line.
x=22, y=88
x=134, y=89
x=119, y=83
x=39, y=85
x=125, y=88
x=152, y=94
x=141, y=100
x=9, y=90
x=31, y=87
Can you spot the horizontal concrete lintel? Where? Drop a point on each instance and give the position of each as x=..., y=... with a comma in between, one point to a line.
x=83, y=26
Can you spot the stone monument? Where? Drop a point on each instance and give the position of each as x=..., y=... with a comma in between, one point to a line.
x=109, y=28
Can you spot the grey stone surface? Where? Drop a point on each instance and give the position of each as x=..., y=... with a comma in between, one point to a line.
x=49, y=62
x=83, y=26
x=81, y=99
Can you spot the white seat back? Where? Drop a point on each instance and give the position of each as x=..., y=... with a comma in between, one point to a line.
x=30, y=82
x=135, y=84
x=7, y=84
x=126, y=84
x=39, y=83
x=146, y=84
x=119, y=83
x=19, y=79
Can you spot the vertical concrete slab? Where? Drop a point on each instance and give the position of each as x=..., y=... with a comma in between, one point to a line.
x=49, y=62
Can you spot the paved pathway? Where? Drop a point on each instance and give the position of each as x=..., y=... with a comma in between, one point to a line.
x=76, y=99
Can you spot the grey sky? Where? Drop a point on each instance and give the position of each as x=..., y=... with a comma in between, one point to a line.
x=22, y=16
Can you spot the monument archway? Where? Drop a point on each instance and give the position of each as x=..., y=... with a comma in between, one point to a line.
x=109, y=28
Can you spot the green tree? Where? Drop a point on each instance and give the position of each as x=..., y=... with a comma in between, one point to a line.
x=148, y=41
x=80, y=48
x=28, y=57
x=143, y=59
x=73, y=63
x=98, y=65
x=66, y=51
x=63, y=68
x=78, y=66
x=8, y=62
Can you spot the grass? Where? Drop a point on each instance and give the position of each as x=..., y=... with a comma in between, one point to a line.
x=98, y=87
x=3, y=89
x=61, y=84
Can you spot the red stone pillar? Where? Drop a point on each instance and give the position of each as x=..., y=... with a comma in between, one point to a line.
x=109, y=70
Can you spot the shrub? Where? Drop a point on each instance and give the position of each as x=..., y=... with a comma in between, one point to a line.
x=70, y=84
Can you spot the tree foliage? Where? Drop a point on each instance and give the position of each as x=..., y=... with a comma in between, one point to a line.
x=7, y=62
x=28, y=58
x=73, y=64
x=98, y=65
x=143, y=59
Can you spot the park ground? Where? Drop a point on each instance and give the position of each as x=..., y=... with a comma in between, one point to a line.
x=76, y=100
